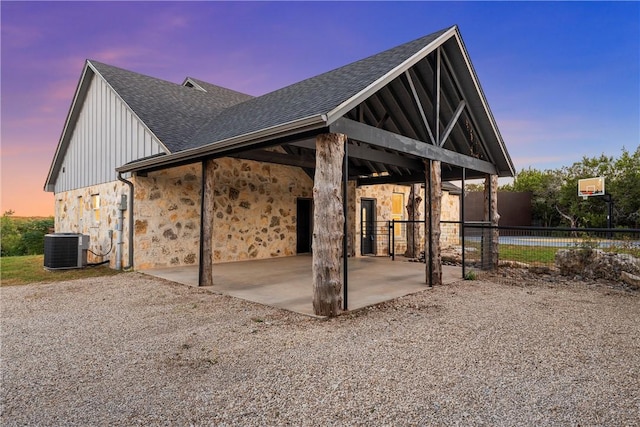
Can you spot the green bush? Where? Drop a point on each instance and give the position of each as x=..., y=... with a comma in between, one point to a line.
x=23, y=236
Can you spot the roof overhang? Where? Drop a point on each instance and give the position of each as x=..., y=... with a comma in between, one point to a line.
x=291, y=130
x=462, y=80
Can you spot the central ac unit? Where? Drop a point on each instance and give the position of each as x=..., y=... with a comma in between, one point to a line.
x=65, y=250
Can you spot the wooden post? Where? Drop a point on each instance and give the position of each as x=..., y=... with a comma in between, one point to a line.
x=206, y=226
x=413, y=228
x=328, y=225
x=434, y=189
x=491, y=215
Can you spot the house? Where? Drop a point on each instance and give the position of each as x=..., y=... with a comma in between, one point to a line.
x=165, y=174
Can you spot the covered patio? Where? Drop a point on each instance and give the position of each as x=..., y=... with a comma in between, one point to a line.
x=284, y=282
x=412, y=115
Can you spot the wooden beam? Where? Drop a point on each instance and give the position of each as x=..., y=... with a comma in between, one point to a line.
x=413, y=215
x=474, y=122
x=391, y=179
x=328, y=225
x=383, y=120
x=274, y=157
x=436, y=92
x=373, y=155
x=490, y=248
x=419, y=105
x=206, y=223
x=393, y=141
x=434, y=263
x=452, y=123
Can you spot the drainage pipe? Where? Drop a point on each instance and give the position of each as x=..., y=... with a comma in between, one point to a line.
x=130, y=185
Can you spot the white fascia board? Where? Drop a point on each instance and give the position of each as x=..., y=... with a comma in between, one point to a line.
x=483, y=99
x=63, y=142
x=262, y=135
x=164, y=147
x=347, y=105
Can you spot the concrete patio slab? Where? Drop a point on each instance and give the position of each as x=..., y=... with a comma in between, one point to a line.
x=286, y=282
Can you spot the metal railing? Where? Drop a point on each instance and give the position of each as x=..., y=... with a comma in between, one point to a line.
x=538, y=246
x=472, y=244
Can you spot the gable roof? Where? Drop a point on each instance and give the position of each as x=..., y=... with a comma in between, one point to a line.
x=316, y=96
x=199, y=119
x=173, y=112
x=317, y=103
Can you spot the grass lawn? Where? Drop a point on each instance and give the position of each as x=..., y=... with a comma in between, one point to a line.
x=21, y=270
x=528, y=254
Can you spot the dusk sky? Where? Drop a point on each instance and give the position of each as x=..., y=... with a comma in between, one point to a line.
x=562, y=79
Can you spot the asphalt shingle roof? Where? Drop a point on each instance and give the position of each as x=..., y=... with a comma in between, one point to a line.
x=184, y=118
x=310, y=97
x=173, y=112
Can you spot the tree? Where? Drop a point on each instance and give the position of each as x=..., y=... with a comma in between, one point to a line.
x=544, y=187
x=555, y=199
x=24, y=236
x=625, y=189
x=9, y=235
x=32, y=235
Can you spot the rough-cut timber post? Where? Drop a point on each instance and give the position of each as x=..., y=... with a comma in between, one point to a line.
x=328, y=225
x=434, y=264
x=492, y=216
x=206, y=234
x=413, y=228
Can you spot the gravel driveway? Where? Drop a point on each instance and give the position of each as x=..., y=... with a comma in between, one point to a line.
x=134, y=350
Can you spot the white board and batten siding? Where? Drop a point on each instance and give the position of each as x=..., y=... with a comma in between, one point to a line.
x=107, y=135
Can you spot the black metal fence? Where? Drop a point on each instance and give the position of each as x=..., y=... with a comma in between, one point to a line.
x=537, y=246
x=471, y=244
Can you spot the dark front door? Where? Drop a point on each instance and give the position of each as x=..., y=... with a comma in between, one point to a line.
x=368, y=226
x=304, y=225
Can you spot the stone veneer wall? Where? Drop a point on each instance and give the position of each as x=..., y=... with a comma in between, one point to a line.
x=382, y=194
x=167, y=218
x=450, y=212
x=255, y=214
x=254, y=204
x=74, y=214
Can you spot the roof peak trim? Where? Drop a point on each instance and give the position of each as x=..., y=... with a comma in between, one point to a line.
x=350, y=103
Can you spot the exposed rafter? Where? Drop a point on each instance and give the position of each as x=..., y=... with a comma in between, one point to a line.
x=277, y=158
x=403, y=144
x=472, y=117
x=452, y=123
x=419, y=105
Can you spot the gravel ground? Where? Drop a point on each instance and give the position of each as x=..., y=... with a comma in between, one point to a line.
x=134, y=350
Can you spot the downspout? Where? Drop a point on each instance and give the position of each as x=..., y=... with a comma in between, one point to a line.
x=130, y=185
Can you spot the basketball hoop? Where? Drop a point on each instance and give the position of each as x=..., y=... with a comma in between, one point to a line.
x=591, y=187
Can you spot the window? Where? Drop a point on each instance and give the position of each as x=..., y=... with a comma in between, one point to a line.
x=397, y=212
x=95, y=207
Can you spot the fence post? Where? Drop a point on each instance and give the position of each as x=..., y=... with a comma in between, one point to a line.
x=392, y=247
x=389, y=238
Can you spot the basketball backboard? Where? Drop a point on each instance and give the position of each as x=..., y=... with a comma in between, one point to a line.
x=589, y=187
